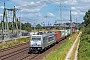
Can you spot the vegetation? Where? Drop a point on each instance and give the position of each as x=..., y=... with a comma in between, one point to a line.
x=60, y=52
x=84, y=48
x=14, y=42
x=24, y=26
x=38, y=27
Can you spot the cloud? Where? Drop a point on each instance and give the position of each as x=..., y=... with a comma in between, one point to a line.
x=73, y=8
x=85, y=1
x=1, y=14
x=74, y=13
x=50, y=14
x=71, y=2
x=32, y=8
x=1, y=7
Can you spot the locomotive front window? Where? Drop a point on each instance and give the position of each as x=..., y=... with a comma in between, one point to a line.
x=36, y=38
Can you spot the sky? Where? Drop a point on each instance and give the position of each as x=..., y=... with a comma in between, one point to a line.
x=36, y=11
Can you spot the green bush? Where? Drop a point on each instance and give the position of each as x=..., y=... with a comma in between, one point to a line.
x=84, y=47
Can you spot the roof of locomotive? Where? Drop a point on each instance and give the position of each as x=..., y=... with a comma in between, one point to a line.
x=44, y=34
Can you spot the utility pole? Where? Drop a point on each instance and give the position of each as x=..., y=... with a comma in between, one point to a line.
x=34, y=26
x=60, y=11
x=76, y=24
x=71, y=21
x=20, y=23
x=46, y=20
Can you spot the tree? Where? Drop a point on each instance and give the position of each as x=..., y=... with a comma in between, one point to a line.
x=29, y=29
x=38, y=27
x=87, y=18
x=27, y=26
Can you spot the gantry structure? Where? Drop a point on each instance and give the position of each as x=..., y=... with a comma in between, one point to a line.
x=5, y=25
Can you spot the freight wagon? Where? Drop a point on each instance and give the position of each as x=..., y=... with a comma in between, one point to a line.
x=58, y=35
x=61, y=34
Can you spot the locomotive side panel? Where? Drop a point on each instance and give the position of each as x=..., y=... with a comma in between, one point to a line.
x=51, y=40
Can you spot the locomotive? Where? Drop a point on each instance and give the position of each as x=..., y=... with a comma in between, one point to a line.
x=42, y=41
x=39, y=42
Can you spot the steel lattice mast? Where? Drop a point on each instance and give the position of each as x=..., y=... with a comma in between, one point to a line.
x=5, y=24
x=14, y=19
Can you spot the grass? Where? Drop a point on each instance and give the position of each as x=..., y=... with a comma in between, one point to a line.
x=14, y=42
x=74, y=50
x=62, y=50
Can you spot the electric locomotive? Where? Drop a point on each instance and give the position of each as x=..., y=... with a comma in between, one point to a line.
x=39, y=42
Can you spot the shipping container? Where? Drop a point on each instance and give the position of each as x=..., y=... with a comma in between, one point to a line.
x=58, y=34
x=73, y=30
x=62, y=33
x=65, y=32
x=68, y=31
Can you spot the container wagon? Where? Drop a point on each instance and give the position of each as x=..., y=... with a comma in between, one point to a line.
x=58, y=35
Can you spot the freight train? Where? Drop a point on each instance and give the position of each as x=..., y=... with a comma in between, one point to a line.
x=42, y=41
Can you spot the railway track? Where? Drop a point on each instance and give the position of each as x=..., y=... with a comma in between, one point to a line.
x=6, y=49
x=29, y=57
x=13, y=53
x=10, y=53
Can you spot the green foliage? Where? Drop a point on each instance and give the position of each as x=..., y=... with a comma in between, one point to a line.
x=29, y=29
x=86, y=31
x=87, y=18
x=84, y=47
x=38, y=27
x=24, y=26
x=58, y=28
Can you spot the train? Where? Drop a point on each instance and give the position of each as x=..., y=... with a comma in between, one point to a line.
x=41, y=41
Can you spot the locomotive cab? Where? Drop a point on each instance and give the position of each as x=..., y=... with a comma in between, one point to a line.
x=35, y=43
